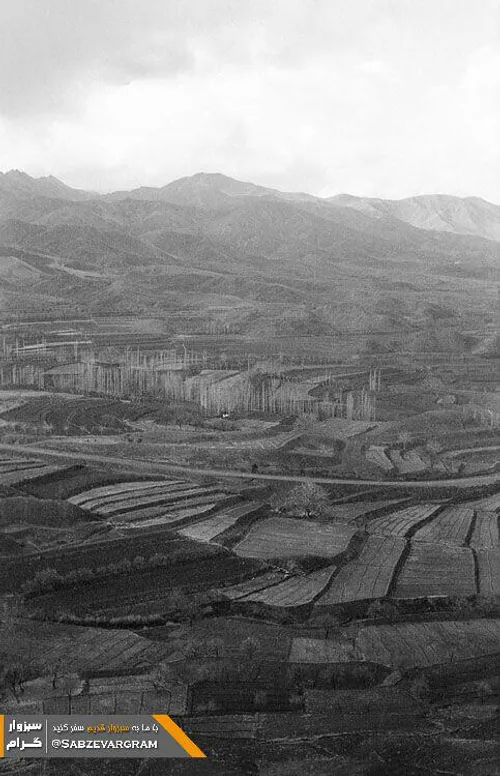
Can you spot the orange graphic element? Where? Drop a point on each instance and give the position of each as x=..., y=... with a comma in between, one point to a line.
x=178, y=735
x=2, y=735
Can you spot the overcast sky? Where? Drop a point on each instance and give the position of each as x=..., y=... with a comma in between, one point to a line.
x=379, y=97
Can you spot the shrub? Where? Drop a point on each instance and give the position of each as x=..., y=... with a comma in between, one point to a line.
x=420, y=688
x=44, y=581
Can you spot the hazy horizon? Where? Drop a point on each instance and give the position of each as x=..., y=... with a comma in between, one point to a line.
x=105, y=191
x=371, y=97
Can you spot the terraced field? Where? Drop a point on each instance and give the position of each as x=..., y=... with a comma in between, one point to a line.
x=166, y=497
x=377, y=456
x=80, y=415
x=450, y=527
x=295, y=591
x=407, y=645
x=254, y=585
x=401, y=522
x=109, y=492
x=151, y=592
x=436, y=570
x=360, y=509
x=80, y=479
x=485, y=532
x=212, y=527
x=15, y=471
x=80, y=649
x=18, y=464
x=266, y=443
x=9, y=546
x=154, y=502
x=339, y=428
x=281, y=537
x=96, y=555
x=489, y=503
x=367, y=576
x=410, y=463
x=172, y=518
x=488, y=562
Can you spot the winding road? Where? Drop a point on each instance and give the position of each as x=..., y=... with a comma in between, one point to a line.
x=166, y=468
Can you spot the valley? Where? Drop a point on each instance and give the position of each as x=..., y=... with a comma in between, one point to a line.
x=250, y=470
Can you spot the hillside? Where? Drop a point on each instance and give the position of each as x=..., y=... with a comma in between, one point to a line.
x=389, y=274
x=439, y=212
x=18, y=185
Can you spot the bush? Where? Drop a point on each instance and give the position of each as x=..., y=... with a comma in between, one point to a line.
x=420, y=688
x=44, y=581
x=383, y=610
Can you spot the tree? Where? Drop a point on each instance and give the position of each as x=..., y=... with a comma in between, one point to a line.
x=484, y=689
x=420, y=689
x=13, y=675
x=216, y=648
x=434, y=446
x=328, y=623
x=249, y=648
x=404, y=439
x=308, y=499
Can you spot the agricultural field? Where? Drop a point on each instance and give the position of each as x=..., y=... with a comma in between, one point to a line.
x=197, y=570
x=369, y=575
x=295, y=591
x=21, y=510
x=360, y=510
x=36, y=473
x=436, y=570
x=377, y=454
x=405, y=645
x=339, y=428
x=209, y=529
x=175, y=517
x=98, y=554
x=36, y=525
x=280, y=537
x=77, y=480
x=489, y=503
x=17, y=471
x=149, y=503
x=253, y=585
x=401, y=522
x=488, y=562
x=159, y=498
x=452, y=526
x=63, y=414
x=77, y=648
x=486, y=534
x=89, y=498
x=407, y=463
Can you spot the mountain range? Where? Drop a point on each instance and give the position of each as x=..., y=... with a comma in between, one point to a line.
x=343, y=264
x=437, y=212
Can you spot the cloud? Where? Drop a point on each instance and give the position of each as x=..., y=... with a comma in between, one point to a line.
x=377, y=67
x=380, y=97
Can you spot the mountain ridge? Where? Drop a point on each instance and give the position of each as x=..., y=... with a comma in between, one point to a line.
x=209, y=253
x=214, y=191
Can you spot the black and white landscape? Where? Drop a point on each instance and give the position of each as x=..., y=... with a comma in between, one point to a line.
x=249, y=425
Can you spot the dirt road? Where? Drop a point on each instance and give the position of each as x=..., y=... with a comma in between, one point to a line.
x=166, y=468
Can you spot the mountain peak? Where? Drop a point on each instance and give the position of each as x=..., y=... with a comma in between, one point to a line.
x=13, y=174
x=434, y=212
x=20, y=185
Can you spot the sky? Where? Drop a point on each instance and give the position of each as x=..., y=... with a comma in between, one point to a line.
x=385, y=98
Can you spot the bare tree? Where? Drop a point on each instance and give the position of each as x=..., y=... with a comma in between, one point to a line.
x=308, y=499
x=404, y=439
